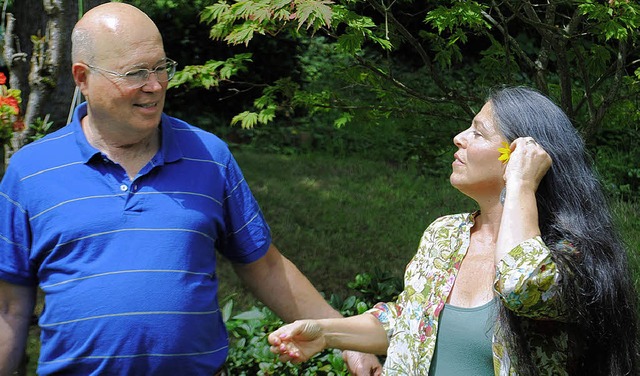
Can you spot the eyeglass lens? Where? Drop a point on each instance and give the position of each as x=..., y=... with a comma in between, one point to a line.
x=163, y=73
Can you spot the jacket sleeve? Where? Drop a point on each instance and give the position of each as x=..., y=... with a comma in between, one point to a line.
x=529, y=283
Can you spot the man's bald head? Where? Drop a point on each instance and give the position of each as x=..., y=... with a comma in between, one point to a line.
x=110, y=28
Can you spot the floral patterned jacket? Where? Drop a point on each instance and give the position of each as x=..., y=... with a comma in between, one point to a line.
x=527, y=282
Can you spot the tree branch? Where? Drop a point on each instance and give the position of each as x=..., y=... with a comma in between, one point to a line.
x=611, y=95
x=508, y=38
x=450, y=94
x=400, y=85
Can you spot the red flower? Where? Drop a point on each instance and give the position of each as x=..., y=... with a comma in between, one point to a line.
x=10, y=101
x=3, y=79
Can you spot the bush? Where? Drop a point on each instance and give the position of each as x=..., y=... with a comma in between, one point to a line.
x=617, y=161
x=249, y=352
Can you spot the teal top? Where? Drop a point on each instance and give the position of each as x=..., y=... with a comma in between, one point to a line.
x=463, y=345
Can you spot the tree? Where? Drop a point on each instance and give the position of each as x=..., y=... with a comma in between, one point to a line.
x=584, y=54
x=37, y=54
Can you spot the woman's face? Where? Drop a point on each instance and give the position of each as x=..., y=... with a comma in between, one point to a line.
x=477, y=172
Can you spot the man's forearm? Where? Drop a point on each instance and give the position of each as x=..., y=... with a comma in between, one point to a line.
x=13, y=337
x=16, y=308
x=279, y=284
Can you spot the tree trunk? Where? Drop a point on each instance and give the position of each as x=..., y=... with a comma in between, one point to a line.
x=37, y=51
x=54, y=19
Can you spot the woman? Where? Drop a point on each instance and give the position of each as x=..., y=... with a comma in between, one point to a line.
x=534, y=282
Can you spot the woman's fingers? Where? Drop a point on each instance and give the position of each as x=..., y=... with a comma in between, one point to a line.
x=528, y=163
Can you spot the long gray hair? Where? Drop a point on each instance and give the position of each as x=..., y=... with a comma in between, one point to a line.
x=572, y=208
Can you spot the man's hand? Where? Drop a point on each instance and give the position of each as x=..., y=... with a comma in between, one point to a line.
x=361, y=364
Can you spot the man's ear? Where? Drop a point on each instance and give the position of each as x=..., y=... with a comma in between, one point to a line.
x=80, y=74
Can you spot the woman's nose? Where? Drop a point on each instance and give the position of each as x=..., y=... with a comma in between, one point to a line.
x=457, y=139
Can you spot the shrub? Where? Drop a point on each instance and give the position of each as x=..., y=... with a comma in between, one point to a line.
x=249, y=352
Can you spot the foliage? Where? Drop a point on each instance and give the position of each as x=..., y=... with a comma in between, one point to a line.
x=211, y=73
x=381, y=286
x=580, y=53
x=249, y=350
x=39, y=128
x=616, y=150
x=618, y=161
x=414, y=73
x=10, y=120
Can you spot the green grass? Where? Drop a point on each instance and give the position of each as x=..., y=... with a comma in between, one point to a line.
x=335, y=218
x=628, y=223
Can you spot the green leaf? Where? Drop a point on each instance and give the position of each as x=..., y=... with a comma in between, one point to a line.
x=241, y=35
x=250, y=315
x=344, y=118
x=315, y=13
x=382, y=42
x=244, y=8
x=214, y=12
x=263, y=101
x=349, y=303
x=362, y=307
x=226, y=310
x=247, y=119
x=267, y=115
x=350, y=42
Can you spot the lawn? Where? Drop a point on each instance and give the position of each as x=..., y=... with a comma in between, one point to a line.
x=335, y=218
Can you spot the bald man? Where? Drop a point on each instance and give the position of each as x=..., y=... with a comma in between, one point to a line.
x=117, y=216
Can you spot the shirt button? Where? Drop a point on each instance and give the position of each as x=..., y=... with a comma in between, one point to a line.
x=123, y=187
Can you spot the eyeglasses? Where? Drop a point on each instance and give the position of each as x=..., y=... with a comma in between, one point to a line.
x=137, y=78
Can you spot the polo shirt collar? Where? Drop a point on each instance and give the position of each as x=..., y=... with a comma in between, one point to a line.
x=87, y=151
x=170, y=150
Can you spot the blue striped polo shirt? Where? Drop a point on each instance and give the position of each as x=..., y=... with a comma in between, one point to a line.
x=128, y=267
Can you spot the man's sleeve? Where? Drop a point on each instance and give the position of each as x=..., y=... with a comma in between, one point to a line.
x=247, y=236
x=15, y=235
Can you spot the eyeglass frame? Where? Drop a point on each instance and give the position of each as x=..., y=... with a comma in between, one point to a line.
x=123, y=76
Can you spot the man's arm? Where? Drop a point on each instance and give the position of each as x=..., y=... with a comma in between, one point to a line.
x=279, y=284
x=16, y=308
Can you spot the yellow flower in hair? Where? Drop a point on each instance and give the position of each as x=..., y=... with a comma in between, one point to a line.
x=505, y=153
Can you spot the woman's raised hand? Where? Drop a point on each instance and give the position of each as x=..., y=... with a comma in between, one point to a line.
x=528, y=164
